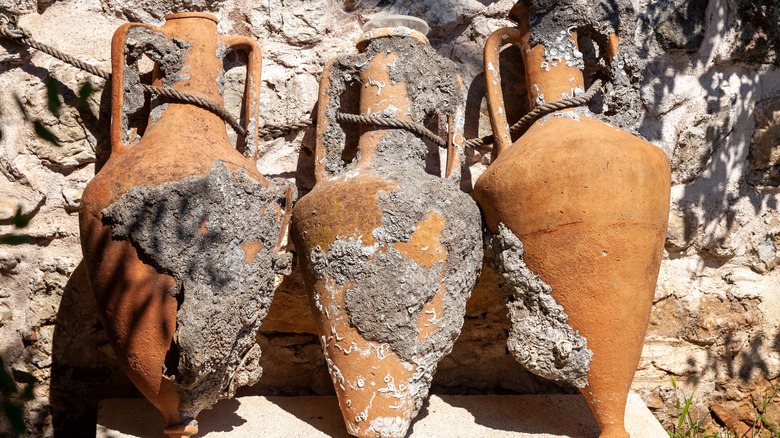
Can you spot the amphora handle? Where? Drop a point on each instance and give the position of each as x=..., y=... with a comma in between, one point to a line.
x=251, y=91
x=328, y=107
x=118, y=83
x=519, y=37
x=495, y=97
x=254, y=68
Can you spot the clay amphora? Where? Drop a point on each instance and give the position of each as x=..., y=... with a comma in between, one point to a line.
x=589, y=204
x=179, y=230
x=390, y=253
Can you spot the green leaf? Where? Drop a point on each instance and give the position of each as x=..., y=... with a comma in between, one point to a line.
x=684, y=412
x=44, y=133
x=11, y=239
x=85, y=91
x=21, y=220
x=7, y=384
x=53, y=95
x=15, y=414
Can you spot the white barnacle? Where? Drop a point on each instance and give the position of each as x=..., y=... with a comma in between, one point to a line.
x=545, y=66
x=378, y=84
x=336, y=335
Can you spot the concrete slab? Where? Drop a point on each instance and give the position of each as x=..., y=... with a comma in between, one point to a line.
x=445, y=416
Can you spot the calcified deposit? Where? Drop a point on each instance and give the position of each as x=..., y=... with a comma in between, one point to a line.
x=540, y=338
x=223, y=286
x=389, y=281
x=703, y=81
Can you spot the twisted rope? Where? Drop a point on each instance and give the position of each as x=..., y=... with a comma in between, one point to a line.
x=392, y=123
x=10, y=31
x=521, y=126
x=542, y=110
x=269, y=132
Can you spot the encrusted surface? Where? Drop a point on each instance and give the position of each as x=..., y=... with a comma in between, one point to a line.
x=216, y=236
x=540, y=338
x=434, y=91
x=168, y=54
x=552, y=22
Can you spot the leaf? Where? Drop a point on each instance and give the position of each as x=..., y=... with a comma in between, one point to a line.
x=85, y=91
x=11, y=239
x=21, y=220
x=44, y=133
x=684, y=412
x=7, y=384
x=53, y=95
x=15, y=414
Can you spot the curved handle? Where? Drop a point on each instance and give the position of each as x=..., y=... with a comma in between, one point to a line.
x=495, y=98
x=118, y=84
x=254, y=69
x=455, y=138
x=324, y=120
x=612, y=47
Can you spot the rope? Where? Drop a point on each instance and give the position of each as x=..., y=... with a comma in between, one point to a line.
x=200, y=102
x=269, y=132
x=12, y=32
x=392, y=123
x=521, y=126
x=542, y=110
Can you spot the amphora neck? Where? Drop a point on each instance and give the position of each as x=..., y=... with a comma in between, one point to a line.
x=381, y=95
x=201, y=73
x=553, y=62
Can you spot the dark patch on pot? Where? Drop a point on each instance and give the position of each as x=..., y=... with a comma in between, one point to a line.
x=540, y=338
x=216, y=235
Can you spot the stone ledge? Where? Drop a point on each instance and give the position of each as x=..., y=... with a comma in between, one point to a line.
x=451, y=416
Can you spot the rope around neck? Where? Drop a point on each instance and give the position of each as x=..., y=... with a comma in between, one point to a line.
x=12, y=32
x=15, y=33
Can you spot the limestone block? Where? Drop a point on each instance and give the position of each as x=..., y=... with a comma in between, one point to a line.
x=14, y=197
x=756, y=34
x=765, y=147
x=682, y=25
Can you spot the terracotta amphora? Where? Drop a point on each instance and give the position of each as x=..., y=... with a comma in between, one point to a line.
x=390, y=252
x=181, y=234
x=584, y=207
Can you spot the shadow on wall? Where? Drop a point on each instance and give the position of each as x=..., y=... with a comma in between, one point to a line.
x=711, y=151
x=711, y=69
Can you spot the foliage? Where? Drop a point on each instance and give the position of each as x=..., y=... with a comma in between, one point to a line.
x=688, y=427
x=13, y=399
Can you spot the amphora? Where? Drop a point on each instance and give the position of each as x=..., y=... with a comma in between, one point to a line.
x=390, y=249
x=181, y=234
x=578, y=212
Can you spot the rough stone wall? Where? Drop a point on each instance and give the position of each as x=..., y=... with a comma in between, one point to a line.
x=709, y=98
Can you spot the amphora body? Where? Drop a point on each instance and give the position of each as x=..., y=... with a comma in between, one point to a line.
x=179, y=230
x=583, y=206
x=390, y=252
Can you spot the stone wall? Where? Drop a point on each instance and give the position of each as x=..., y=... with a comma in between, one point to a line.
x=708, y=95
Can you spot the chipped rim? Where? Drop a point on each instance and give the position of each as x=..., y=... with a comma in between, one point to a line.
x=181, y=15
x=393, y=25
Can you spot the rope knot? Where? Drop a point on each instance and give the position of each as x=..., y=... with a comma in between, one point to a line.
x=10, y=30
